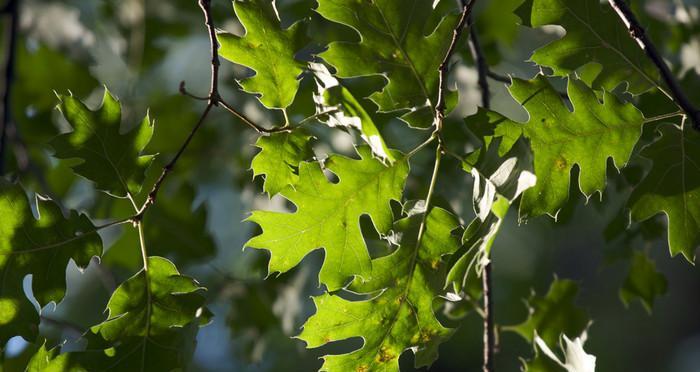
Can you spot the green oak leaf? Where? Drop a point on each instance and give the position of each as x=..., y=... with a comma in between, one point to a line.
x=393, y=43
x=399, y=315
x=169, y=352
x=279, y=158
x=553, y=315
x=597, y=45
x=111, y=159
x=672, y=187
x=328, y=216
x=149, y=317
x=268, y=50
x=343, y=110
x=643, y=281
x=41, y=247
x=560, y=139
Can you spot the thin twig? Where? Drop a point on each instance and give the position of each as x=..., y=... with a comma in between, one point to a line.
x=498, y=77
x=250, y=123
x=489, y=346
x=12, y=9
x=213, y=100
x=442, y=70
x=639, y=35
x=663, y=116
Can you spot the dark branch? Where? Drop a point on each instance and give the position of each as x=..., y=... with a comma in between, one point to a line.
x=639, y=35
x=12, y=10
x=481, y=65
x=489, y=326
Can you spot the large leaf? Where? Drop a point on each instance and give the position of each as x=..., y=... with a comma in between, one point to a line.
x=672, y=187
x=328, y=216
x=553, y=315
x=393, y=43
x=40, y=247
x=267, y=49
x=400, y=314
x=146, y=316
x=594, y=132
x=111, y=159
x=279, y=157
x=596, y=45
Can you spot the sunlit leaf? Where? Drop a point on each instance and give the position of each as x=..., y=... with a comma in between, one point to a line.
x=328, y=214
x=267, y=49
x=399, y=315
x=110, y=158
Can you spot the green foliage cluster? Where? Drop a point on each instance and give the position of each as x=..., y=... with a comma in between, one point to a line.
x=400, y=263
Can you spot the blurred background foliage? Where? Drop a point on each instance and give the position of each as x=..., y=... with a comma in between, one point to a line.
x=142, y=50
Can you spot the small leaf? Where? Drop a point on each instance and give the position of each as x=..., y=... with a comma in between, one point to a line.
x=597, y=45
x=346, y=111
x=560, y=139
x=575, y=358
x=400, y=314
x=553, y=315
x=112, y=160
x=279, y=158
x=40, y=247
x=672, y=187
x=643, y=282
x=328, y=215
x=392, y=44
x=267, y=49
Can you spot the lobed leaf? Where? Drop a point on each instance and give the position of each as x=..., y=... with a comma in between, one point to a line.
x=672, y=187
x=328, y=216
x=39, y=247
x=587, y=137
x=643, y=281
x=114, y=161
x=268, y=50
x=393, y=43
x=279, y=158
x=596, y=46
x=400, y=314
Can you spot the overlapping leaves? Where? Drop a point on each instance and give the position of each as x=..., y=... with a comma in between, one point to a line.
x=399, y=315
x=393, y=43
x=279, y=157
x=149, y=325
x=597, y=45
x=328, y=214
x=560, y=139
x=41, y=247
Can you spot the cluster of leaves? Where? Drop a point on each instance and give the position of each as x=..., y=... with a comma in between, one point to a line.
x=425, y=259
